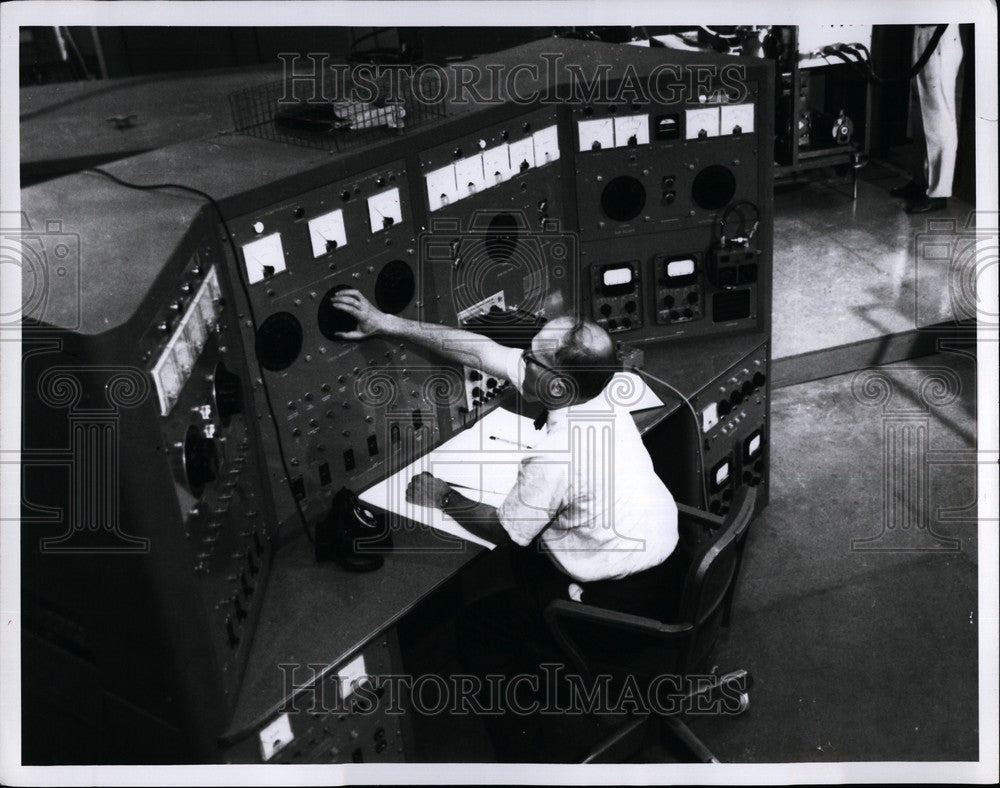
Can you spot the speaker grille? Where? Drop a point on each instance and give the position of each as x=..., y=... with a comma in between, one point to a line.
x=731, y=305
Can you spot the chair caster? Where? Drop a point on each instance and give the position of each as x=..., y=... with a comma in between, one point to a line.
x=744, y=702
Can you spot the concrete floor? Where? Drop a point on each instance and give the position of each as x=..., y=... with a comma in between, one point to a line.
x=861, y=637
x=856, y=614
x=847, y=271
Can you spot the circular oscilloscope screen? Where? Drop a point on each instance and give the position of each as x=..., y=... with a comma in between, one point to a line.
x=394, y=287
x=279, y=341
x=623, y=198
x=501, y=237
x=332, y=320
x=713, y=187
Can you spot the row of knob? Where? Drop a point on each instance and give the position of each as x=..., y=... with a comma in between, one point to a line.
x=752, y=478
x=176, y=307
x=480, y=397
x=630, y=306
x=621, y=322
x=738, y=395
x=693, y=297
x=625, y=324
x=239, y=602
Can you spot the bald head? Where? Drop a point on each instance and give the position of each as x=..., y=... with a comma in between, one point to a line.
x=582, y=351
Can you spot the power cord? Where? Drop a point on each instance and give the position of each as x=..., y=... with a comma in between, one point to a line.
x=724, y=219
x=866, y=68
x=858, y=45
x=697, y=428
x=246, y=295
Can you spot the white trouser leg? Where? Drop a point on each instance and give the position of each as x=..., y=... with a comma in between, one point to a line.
x=938, y=120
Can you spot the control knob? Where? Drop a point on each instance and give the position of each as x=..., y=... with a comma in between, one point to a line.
x=228, y=395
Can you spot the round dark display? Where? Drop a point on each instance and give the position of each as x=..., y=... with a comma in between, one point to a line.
x=623, y=198
x=279, y=341
x=228, y=396
x=713, y=187
x=332, y=320
x=394, y=287
x=201, y=460
x=501, y=237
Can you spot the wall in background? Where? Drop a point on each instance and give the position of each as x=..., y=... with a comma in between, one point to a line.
x=48, y=55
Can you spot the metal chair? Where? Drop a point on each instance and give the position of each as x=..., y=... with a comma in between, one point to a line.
x=633, y=648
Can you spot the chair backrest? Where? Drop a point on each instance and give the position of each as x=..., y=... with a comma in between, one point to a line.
x=711, y=579
x=609, y=641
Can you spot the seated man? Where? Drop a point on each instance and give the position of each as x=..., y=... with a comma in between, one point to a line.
x=598, y=522
x=600, y=513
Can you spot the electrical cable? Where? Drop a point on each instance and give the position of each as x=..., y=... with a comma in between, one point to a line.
x=246, y=295
x=852, y=50
x=863, y=63
x=870, y=75
x=743, y=223
x=866, y=74
x=697, y=429
x=720, y=41
x=863, y=48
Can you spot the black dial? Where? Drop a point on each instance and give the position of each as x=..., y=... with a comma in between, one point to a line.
x=201, y=460
x=333, y=321
x=228, y=395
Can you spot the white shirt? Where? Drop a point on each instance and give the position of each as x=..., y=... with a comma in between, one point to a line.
x=590, y=490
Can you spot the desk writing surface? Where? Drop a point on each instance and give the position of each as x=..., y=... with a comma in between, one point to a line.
x=322, y=614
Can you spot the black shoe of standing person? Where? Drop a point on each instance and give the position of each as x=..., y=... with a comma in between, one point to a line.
x=908, y=191
x=927, y=204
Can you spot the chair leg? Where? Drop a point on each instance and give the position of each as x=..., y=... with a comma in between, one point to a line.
x=685, y=735
x=739, y=678
x=694, y=745
x=619, y=744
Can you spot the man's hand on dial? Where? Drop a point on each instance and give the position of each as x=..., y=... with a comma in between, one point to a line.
x=425, y=489
x=371, y=321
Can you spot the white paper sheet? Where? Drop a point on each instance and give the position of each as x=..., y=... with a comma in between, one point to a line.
x=482, y=461
x=390, y=495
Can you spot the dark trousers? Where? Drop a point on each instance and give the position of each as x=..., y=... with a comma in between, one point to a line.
x=505, y=634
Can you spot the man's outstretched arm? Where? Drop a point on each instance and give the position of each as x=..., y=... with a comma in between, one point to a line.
x=455, y=344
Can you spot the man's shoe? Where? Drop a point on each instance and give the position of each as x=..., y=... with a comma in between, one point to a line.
x=908, y=191
x=927, y=204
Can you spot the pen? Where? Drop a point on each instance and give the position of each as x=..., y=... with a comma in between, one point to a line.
x=512, y=443
x=475, y=489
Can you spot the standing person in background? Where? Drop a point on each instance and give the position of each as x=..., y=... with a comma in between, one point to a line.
x=935, y=123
